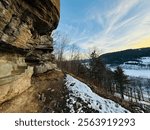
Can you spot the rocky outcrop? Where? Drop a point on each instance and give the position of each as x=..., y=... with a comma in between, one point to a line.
x=46, y=94
x=26, y=55
x=28, y=25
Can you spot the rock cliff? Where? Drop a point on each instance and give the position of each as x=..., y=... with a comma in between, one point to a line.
x=29, y=78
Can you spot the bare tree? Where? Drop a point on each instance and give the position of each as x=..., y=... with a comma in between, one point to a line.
x=74, y=52
x=61, y=43
x=74, y=61
x=148, y=88
x=62, y=47
x=139, y=90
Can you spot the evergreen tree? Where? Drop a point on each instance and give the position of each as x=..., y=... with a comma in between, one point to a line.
x=121, y=80
x=96, y=68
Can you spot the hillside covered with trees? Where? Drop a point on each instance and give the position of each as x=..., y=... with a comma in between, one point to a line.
x=117, y=58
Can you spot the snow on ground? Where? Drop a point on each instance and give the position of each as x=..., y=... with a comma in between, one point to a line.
x=137, y=73
x=139, y=68
x=80, y=94
x=127, y=98
x=145, y=60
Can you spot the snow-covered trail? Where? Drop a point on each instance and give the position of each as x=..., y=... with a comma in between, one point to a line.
x=82, y=99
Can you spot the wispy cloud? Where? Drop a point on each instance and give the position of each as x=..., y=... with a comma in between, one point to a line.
x=117, y=13
x=121, y=32
x=116, y=25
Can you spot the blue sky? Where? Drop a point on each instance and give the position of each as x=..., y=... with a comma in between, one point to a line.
x=109, y=25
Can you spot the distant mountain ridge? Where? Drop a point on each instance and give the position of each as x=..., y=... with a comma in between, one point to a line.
x=117, y=58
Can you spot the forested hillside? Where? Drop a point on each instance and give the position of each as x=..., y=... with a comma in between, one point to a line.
x=116, y=58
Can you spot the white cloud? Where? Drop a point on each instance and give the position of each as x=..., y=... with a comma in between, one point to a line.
x=121, y=32
x=119, y=12
x=120, y=24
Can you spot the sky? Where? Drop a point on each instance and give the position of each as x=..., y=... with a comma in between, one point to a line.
x=109, y=25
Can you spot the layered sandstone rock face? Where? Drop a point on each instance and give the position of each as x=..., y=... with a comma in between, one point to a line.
x=27, y=66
